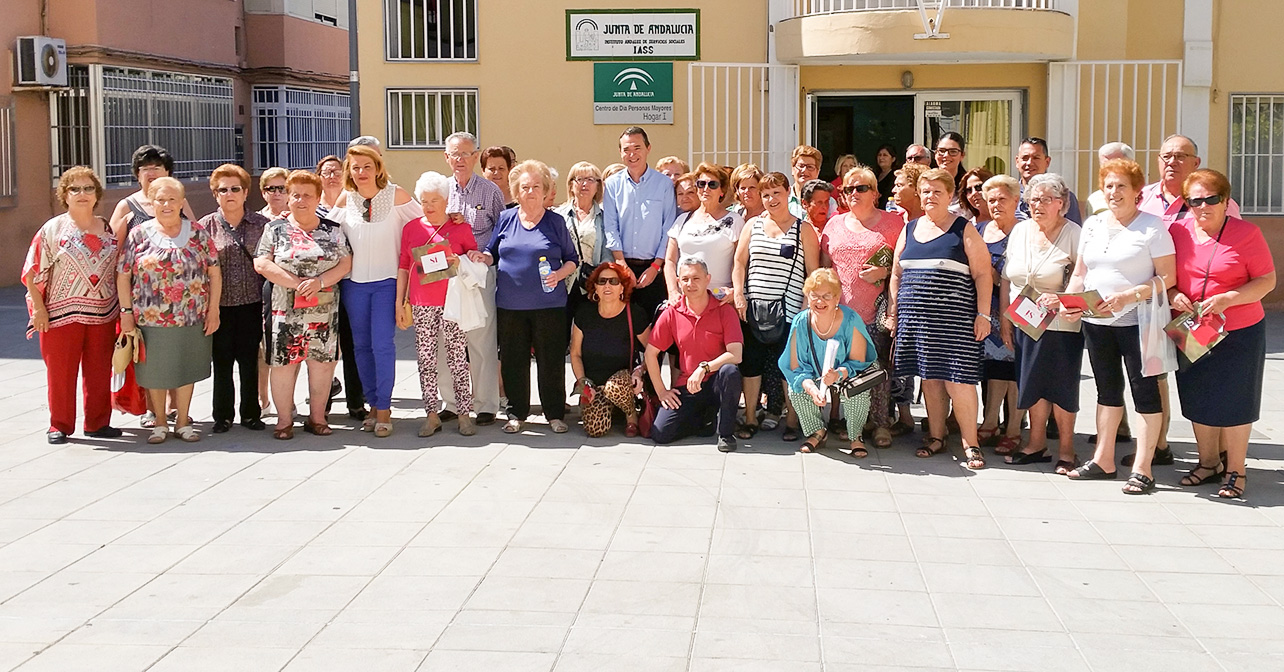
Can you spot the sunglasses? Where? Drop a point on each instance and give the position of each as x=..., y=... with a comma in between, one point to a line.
x=607, y=281
x=1207, y=200
x=274, y=190
x=78, y=190
x=975, y=189
x=857, y=189
x=237, y=190
x=368, y=208
x=918, y=157
x=708, y=184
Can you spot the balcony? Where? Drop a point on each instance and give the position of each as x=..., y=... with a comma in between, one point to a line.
x=905, y=32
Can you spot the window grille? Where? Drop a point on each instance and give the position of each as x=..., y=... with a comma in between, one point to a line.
x=1257, y=153
x=8, y=152
x=69, y=116
x=429, y=30
x=424, y=118
x=295, y=127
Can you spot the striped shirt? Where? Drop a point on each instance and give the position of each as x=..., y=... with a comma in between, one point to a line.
x=776, y=266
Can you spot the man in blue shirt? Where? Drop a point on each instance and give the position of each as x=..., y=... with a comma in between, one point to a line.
x=638, y=207
x=1032, y=159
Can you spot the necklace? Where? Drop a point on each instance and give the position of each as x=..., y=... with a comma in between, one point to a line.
x=829, y=328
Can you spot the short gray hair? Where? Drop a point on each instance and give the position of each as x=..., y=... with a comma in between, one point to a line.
x=1114, y=150
x=367, y=140
x=1004, y=182
x=1049, y=182
x=463, y=135
x=692, y=260
x=1187, y=138
x=432, y=182
x=813, y=186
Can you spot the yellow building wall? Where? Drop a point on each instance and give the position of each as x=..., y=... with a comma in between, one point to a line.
x=529, y=96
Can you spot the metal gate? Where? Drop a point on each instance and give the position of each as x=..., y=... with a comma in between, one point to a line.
x=1091, y=103
x=742, y=113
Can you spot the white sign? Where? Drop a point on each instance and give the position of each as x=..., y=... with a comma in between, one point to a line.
x=632, y=113
x=629, y=35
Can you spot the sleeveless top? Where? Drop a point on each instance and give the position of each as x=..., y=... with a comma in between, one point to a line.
x=137, y=215
x=776, y=267
x=945, y=251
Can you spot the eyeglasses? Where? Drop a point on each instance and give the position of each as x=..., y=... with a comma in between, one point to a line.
x=708, y=184
x=1174, y=157
x=948, y=151
x=800, y=167
x=607, y=281
x=975, y=189
x=919, y=157
x=587, y=180
x=1041, y=200
x=330, y=173
x=274, y=190
x=455, y=156
x=823, y=298
x=1207, y=200
x=237, y=190
x=857, y=189
x=78, y=190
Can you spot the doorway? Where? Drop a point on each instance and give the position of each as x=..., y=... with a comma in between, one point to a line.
x=859, y=125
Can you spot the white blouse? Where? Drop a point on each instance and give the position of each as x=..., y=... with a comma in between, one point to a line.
x=376, y=243
x=714, y=241
x=1044, y=269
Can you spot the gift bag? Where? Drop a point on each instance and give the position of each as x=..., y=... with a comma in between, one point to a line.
x=126, y=395
x=1158, y=354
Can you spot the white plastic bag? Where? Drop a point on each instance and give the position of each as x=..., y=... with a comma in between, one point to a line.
x=1158, y=354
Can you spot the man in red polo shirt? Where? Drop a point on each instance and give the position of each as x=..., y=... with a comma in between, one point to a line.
x=710, y=344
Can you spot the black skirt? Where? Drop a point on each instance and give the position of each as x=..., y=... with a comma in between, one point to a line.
x=1224, y=388
x=1049, y=369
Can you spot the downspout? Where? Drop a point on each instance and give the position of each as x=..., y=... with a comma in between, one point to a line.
x=354, y=85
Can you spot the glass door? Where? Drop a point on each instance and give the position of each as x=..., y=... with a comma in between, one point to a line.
x=989, y=121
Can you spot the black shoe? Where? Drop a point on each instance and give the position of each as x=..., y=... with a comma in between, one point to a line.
x=1163, y=456
x=726, y=444
x=56, y=437
x=358, y=413
x=447, y=416
x=221, y=426
x=105, y=432
x=336, y=387
x=255, y=424
x=482, y=418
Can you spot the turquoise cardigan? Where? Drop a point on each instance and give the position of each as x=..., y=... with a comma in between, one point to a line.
x=805, y=340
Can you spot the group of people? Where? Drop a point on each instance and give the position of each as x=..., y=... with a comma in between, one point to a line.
x=771, y=296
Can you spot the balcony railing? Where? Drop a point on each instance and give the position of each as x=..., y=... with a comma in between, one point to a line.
x=813, y=7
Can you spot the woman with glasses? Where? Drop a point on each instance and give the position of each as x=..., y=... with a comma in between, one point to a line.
x=330, y=169
x=1224, y=268
x=852, y=245
x=607, y=343
x=236, y=236
x=148, y=163
x=584, y=219
x=950, y=152
x=372, y=211
x=272, y=184
x=710, y=232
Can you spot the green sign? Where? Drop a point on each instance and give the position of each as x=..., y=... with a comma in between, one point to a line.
x=632, y=93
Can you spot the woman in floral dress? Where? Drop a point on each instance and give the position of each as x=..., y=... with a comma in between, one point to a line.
x=304, y=257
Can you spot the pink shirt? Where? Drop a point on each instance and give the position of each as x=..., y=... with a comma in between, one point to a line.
x=1155, y=202
x=419, y=232
x=1241, y=255
x=700, y=338
x=850, y=252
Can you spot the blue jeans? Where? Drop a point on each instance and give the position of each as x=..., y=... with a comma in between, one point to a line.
x=371, y=308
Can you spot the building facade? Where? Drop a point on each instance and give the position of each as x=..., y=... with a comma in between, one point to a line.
x=258, y=83
x=848, y=76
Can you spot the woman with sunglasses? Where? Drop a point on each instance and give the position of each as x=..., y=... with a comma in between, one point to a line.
x=710, y=232
x=372, y=211
x=236, y=235
x=1224, y=268
x=272, y=185
x=607, y=342
x=851, y=245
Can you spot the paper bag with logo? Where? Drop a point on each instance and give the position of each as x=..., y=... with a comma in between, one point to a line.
x=1196, y=333
x=1028, y=316
x=436, y=262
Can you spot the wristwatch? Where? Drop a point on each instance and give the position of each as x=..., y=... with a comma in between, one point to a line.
x=705, y=366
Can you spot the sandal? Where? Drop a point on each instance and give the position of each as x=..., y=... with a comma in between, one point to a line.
x=1138, y=484
x=859, y=450
x=1192, y=477
x=1230, y=489
x=1008, y=445
x=1090, y=471
x=147, y=420
x=985, y=436
x=927, y=450
x=283, y=433
x=158, y=435
x=882, y=438
x=814, y=442
x=899, y=428
x=1064, y=467
x=1019, y=458
x=790, y=434
x=383, y=430
x=558, y=426
x=975, y=458
x=188, y=434
x=769, y=423
x=631, y=430
x=317, y=428
x=368, y=423
x=513, y=426
x=746, y=431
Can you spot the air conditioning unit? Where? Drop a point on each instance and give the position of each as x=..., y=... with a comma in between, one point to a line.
x=42, y=61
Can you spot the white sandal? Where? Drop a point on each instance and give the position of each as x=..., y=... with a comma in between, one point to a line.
x=512, y=426
x=188, y=434
x=158, y=435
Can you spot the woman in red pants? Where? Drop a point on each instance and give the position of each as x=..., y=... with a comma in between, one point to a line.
x=70, y=276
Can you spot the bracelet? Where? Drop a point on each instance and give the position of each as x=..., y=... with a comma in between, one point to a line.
x=655, y=265
x=981, y=314
x=1137, y=293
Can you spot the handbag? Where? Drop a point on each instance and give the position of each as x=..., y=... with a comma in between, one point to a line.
x=1158, y=353
x=766, y=317
x=126, y=395
x=867, y=379
x=648, y=405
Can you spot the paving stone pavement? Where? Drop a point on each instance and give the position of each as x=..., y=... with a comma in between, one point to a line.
x=553, y=552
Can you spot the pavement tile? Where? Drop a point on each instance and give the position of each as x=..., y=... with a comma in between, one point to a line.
x=453, y=661
x=321, y=659
x=64, y=657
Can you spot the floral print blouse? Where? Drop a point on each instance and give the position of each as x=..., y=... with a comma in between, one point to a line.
x=171, y=282
x=306, y=254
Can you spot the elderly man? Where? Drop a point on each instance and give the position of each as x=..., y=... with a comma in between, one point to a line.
x=1033, y=159
x=1107, y=152
x=1178, y=158
x=638, y=209
x=481, y=202
x=918, y=154
x=804, y=163
x=707, y=381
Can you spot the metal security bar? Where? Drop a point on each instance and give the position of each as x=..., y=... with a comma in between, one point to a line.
x=8, y=152
x=70, y=123
x=430, y=30
x=295, y=127
x=813, y=7
x=1091, y=103
x=424, y=118
x=1257, y=153
x=742, y=113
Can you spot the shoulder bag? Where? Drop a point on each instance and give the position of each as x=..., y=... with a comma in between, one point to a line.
x=851, y=386
x=766, y=317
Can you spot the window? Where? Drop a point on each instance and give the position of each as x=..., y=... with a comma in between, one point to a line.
x=8, y=153
x=70, y=109
x=426, y=30
x=294, y=128
x=424, y=118
x=1257, y=153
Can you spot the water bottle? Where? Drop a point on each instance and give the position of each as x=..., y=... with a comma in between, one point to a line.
x=545, y=270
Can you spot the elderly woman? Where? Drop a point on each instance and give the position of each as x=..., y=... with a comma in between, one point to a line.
x=170, y=285
x=810, y=374
x=1041, y=254
x=850, y=244
x=843, y=164
x=905, y=191
x=584, y=219
x=148, y=163
x=607, y=341
x=1224, y=267
x=497, y=162
x=710, y=232
x=272, y=186
x=330, y=169
x=885, y=165
x=817, y=195
x=672, y=167
x=304, y=256
x=774, y=256
x=422, y=300
x=236, y=235
x=1123, y=254
x=684, y=192
x=70, y=274
x=939, y=307
x=372, y=211
x=744, y=189
x=533, y=254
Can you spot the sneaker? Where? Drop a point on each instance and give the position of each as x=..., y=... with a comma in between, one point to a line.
x=726, y=444
x=1163, y=457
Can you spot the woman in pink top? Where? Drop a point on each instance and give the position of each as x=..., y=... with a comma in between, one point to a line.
x=435, y=238
x=1224, y=267
x=851, y=245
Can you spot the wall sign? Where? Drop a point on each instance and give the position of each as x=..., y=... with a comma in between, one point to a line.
x=632, y=93
x=632, y=35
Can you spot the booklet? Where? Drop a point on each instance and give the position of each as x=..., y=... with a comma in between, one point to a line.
x=1085, y=301
x=321, y=298
x=883, y=257
x=1196, y=333
x=1026, y=313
